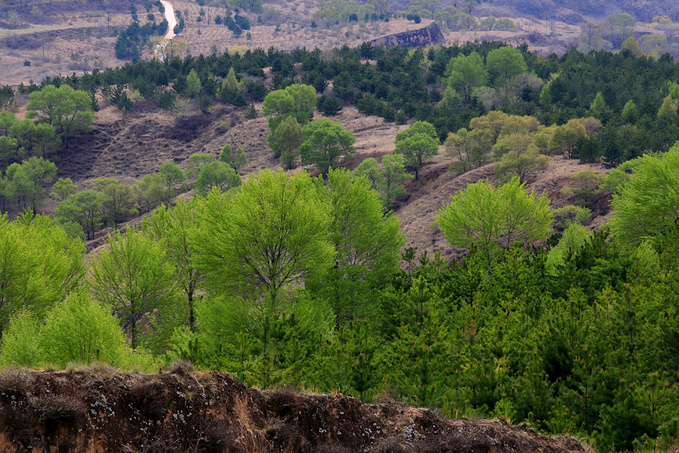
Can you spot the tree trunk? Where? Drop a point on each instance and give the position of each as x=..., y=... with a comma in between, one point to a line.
x=133, y=331
x=192, y=315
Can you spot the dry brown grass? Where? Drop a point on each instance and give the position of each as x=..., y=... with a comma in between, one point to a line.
x=137, y=144
x=87, y=36
x=293, y=32
x=560, y=35
x=437, y=184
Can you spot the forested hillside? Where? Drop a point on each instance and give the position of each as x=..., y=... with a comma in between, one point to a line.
x=297, y=275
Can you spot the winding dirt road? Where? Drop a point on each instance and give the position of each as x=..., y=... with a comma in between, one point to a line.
x=171, y=19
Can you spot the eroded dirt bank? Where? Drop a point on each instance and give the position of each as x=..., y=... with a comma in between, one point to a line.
x=108, y=411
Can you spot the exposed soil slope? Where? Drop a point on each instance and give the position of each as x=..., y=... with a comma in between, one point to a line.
x=437, y=184
x=106, y=411
x=131, y=146
x=137, y=144
x=427, y=36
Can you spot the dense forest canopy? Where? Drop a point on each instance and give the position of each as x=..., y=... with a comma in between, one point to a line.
x=299, y=285
x=437, y=85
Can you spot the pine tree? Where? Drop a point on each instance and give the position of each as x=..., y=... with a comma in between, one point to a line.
x=236, y=160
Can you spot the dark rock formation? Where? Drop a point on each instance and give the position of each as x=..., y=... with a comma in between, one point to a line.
x=431, y=34
x=195, y=411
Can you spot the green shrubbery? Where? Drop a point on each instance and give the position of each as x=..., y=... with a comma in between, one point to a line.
x=294, y=281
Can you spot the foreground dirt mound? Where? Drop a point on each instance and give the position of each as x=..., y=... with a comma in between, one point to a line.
x=107, y=411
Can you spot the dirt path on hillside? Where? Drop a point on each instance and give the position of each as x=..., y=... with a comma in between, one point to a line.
x=170, y=17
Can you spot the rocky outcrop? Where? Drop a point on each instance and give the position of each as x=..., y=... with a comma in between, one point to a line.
x=431, y=34
x=190, y=411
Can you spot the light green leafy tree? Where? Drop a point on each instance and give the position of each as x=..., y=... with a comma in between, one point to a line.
x=268, y=236
x=83, y=208
x=216, y=175
x=471, y=148
x=118, y=202
x=465, y=73
x=80, y=330
x=193, y=84
x=278, y=103
x=286, y=141
x=667, y=114
x=100, y=184
x=196, y=161
x=490, y=218
x=385, y=179
x=630, y=112
x=62, y=189
x=570, y=214
x=394, y=174
x=304, y=101
x=133, y=277
x=152, y=192
x=586, y=184
x=19, y=345
x=326, y=142
x=236, y=159
x=620, y=26
x=367, y=243
x=76, y=331
x=64, y=108
x=231, y=82
x=633, y=46
x=645, y=207
x=25, y=182
x=566, y=137
x=521, y=165
x=173, y=228
x=417, y=144
x=295, y=100
x=504, y=63
x=39, y=264
x=487, y=23
x=598, y=107
x=592, y=38
x=573, y=239
x=654, y=45
x=370, y=170
x=172, y=176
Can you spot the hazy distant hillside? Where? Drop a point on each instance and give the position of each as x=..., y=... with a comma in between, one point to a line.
x=575, y=10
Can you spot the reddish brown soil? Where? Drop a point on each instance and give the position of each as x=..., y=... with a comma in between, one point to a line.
x=108, y=411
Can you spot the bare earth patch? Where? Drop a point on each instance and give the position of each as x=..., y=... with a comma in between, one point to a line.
x=436, y=186
x=105, y=410
x=132, y=146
